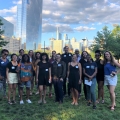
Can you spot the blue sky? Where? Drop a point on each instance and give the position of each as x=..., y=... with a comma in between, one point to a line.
x=77, y=18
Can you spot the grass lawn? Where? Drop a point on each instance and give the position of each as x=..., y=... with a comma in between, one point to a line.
x=55, y=111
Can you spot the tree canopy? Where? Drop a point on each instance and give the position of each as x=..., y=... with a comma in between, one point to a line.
x=2, y=42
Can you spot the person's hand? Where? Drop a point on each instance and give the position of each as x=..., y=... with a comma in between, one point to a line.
x=80, y=81
x=61, y=79
x=1, y=77
x=67, y=80
x=8, y=81
x=90, y=78
x=50, y=80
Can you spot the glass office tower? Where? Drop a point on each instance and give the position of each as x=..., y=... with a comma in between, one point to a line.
x=31, y=23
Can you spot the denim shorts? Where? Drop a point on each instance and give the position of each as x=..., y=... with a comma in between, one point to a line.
x=110, y=80
x=27, y=84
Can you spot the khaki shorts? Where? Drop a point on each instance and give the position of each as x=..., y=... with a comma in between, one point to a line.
x=13, y=78
x=110, y=80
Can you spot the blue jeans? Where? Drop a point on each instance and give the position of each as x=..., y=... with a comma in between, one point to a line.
x=27, y=84
x=91, y=91
x=58, y=90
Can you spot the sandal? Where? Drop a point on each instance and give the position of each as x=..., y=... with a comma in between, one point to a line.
x=14, y=102
x=9, y=102
x=112, y=108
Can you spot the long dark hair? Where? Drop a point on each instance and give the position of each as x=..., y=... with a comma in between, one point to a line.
x=13, y=55
x=111, y=60
x=36, y=55
x=82, y=54
x=23, y=61
x=44, y=54
x=33, y=56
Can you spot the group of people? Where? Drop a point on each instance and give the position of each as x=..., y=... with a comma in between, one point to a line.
x=66, y=72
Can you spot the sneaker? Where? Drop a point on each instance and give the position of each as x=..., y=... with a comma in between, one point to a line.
x=44, y=101
x=40, y=101
x=103, y=102
x=94, y=106
x=21, y=102
x=88, y=104
x=37, y=93
x=28, y=101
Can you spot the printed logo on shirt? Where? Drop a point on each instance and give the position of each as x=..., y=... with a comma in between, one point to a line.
x=13, y=67
x=76, y=66
x=59, y=65
x=87, y=66
x=46, y=69
x=92, y=67
x=64, y=55
x=2, y=62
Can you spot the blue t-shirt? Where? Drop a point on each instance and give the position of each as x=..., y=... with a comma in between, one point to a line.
x=3, y=66
x=108, y=69
x=90, y=68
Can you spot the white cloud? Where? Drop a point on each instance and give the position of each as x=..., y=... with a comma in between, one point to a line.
x=17, y=2
x=84, y=28
x=10, y=19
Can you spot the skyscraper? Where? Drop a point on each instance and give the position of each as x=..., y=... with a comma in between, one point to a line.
x=7, y=27
x=31, y=23
x=59, y=35
x=19, y=21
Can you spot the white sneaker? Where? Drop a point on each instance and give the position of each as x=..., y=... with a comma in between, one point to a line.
x=21, y=102
x=28, y=101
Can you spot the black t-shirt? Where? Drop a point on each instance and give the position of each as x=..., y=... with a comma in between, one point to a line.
x=11, y=67
x=90, y=68
x=66, y=57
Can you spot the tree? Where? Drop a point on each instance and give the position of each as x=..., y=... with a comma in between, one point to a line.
x=2, y=42
x=104, y=40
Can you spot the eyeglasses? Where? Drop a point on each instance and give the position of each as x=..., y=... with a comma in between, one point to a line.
x=6, y=54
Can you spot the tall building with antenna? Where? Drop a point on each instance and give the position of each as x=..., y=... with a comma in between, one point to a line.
x=59, y=35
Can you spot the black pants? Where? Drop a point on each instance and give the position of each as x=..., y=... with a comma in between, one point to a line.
x=64, y=87
x=58, y=90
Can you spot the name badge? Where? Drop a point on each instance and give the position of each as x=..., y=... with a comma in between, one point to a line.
x=69, y=54
x=59, y=64
x=87, y=66
x=46, y=69
x=2, y=62
x=76, y=66
x=13, y=67
x=64, y=55
x=92, y=67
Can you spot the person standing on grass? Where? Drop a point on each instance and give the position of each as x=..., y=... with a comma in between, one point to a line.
x=110, y=73
x=90, y=71
x=66, y=57
x=25, y=74
x=32, y=60
x=77, y=52
x=3, y=64
x=43, y=76
x=37, y=60
x=52, y=60
x=12, y=78
x=58, y=71
x=74, y=77
x=21, y=53
x=100, y=76
x=83, y=60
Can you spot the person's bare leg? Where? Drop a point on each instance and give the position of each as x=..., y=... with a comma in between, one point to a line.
x=28, y=92
x=14, y=91
x=44, y=96
x=40, y=93
x=76, y=97
x=112, y=94
x=9, y=92
x=73, y=97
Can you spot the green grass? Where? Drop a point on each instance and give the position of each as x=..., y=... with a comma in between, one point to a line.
x=55, y=111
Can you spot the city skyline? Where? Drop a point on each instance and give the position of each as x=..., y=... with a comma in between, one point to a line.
x=77, y=18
